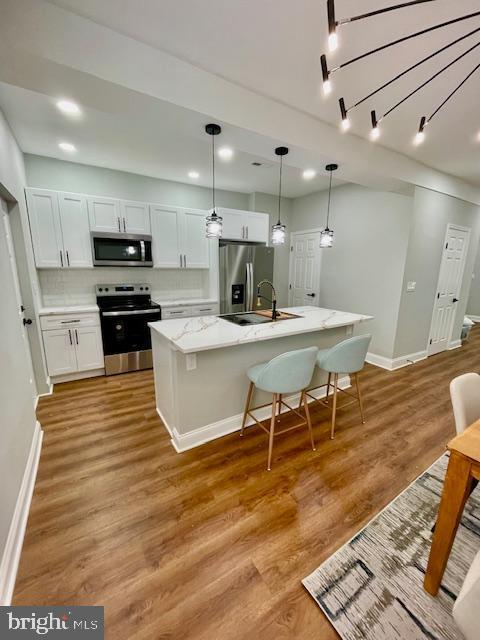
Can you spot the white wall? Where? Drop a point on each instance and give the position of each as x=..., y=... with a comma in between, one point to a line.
x=17, y=393
x=473, y=303
x=432, y=212
x=363, y=271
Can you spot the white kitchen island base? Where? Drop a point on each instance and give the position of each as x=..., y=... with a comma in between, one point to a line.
x=200, y=367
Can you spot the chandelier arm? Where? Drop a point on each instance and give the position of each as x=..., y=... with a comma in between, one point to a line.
x=435, y=75
x=377, y=12
x=414, y=66
x=454, y=92
x=404, y=39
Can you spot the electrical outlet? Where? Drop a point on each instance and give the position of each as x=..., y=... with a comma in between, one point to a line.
x=411, y=286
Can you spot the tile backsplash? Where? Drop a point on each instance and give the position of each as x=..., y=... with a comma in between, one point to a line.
x=77, y=286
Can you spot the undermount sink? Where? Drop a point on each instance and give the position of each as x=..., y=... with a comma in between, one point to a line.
x=257, y=317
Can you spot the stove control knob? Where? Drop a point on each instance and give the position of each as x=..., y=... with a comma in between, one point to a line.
x=141, y=288
x=118, y=327
x=146, y=288
x=106, y=288
x=100, y=289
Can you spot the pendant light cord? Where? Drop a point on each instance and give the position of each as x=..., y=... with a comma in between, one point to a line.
x=213, y=175
x=329, y=196
x=280, y=191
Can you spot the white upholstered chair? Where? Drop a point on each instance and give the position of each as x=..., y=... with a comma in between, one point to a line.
x=465, y=395
x=466, y=607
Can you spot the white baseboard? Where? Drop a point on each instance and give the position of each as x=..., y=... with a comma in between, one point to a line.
x=474, y=318
x=454, y=344
x=44, y=395
x=185, y=441
x=13, y=548
x=391, y=364
x=78, y=375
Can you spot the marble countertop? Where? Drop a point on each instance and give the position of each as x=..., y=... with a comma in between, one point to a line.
x=56, y=311
x=203, y=333
x=187, y=302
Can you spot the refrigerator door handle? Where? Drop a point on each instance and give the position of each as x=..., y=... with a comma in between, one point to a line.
x=250, y=298
x=247, y=292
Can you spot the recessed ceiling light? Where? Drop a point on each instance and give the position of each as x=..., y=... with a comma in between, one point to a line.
x=225, y=153
x=194, y=175
x=66, y=146
x=308, y=174
x=69, y=107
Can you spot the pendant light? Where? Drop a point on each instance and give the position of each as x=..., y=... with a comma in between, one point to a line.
x=278, y=230
x=326, y=236
x=214, y=222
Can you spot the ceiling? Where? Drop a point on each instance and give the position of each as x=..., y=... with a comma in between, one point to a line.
x=166, y=142
x=272, y=47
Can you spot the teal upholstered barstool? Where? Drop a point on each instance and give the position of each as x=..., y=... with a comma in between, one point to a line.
x=347, y=356
x=289, y=372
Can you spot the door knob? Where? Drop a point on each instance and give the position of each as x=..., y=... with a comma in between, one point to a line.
x=26, y=321
x=311, y=295
x=455, y=300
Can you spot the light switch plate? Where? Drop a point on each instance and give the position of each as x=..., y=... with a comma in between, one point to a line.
x=411, y=286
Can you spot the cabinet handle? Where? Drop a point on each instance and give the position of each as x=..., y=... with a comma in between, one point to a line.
x=209, y=309
x=185, y=260
x=61, y=257
x=119, y=227
x=124, y=225
x=68, y=321
x=68, y=258
x=70, y=336
x=181, y=264
x=247, y=231
x=243, y=233
x=76, y=336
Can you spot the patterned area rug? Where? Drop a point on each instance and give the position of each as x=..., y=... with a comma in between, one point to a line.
x=372, y=588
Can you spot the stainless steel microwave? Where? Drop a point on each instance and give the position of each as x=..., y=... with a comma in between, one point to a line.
x=121, y=250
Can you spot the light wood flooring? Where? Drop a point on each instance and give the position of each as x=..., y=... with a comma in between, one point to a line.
x=208, y=544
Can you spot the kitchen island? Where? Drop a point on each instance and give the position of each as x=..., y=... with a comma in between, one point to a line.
x=200, y=366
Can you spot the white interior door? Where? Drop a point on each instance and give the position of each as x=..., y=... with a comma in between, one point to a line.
x=448, y=290
x=304, y=287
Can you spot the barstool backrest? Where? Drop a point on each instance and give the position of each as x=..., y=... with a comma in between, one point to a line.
x=465, y=395
x=289, y=372
x=347, y=356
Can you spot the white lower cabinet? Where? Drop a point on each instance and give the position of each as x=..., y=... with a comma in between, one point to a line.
x=73, y=343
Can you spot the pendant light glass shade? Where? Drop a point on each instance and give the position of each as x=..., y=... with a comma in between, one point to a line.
x=278, y=230
x=326, y=236
x=214, y=222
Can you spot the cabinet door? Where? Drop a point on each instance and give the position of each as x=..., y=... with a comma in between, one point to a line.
x=45, y=227
x=257, y=227
x=104, y=215
x=166, y=225
x=75, y=230
x=195, y=247
x=88, y=345
x=135, y=217
x=59, y=351
x=233, y=225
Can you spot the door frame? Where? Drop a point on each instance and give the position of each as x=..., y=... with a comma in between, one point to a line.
x=290, y=261
x=458, y=227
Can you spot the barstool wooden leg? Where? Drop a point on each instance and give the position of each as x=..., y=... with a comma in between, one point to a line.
x=359, y=395
x=309, y=422
x=247, y=407
x=334, y=408
x=279, y=406
x=328, y=385
x=272, y=432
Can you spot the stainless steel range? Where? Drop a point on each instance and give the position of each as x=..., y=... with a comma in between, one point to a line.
x=125, y=311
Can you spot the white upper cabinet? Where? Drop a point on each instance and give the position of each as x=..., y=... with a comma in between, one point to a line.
x=104, y=215
x=244, y=226
x=257, y=227
x=166, y=231
x=60, y=229
x=135, y=217
x=45, y=228
x=75, y=230
x=195, y=242
x=178, y=238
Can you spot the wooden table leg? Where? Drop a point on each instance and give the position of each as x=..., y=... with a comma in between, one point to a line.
x=456, y=490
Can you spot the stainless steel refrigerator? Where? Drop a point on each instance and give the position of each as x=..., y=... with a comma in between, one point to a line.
x=242, y=267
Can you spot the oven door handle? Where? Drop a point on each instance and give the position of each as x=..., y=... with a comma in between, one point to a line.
x=136, y=312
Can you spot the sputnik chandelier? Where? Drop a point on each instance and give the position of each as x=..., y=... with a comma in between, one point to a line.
x=333, y=42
